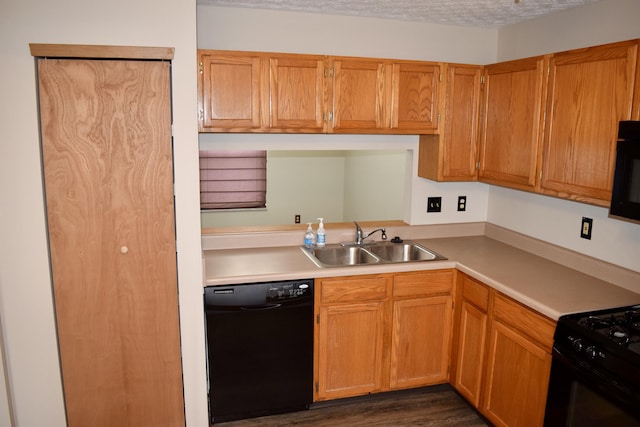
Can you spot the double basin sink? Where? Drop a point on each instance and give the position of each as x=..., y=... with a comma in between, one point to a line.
x=342, y=255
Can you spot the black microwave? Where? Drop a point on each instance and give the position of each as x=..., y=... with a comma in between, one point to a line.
x=625, y=195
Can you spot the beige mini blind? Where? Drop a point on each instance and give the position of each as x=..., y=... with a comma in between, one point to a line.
x=233, y=179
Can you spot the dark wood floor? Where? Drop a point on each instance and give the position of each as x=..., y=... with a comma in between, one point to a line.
x=432, y=406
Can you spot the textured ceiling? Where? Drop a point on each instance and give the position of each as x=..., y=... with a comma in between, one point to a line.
x=476, y=13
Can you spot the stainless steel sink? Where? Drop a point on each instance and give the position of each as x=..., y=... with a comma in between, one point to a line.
x=340, y=256
x=404, y=252
x=372, y=253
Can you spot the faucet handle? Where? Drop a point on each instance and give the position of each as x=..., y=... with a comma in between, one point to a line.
x=359, y=236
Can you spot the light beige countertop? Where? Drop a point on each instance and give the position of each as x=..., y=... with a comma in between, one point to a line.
x=548, y=287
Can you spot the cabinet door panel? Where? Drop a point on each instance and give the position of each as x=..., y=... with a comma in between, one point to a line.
x=415, y=97
x=420, y=341
x=590, y=91
x=296, y=93
x=461, y=122
x=350, y=360
x=517, y=378
x=360, y=95
x=451, y=155
x=471, y=347
x=230, y=91
x=512, y=122
x=423, y=283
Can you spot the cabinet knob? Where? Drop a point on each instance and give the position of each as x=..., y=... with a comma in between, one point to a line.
x=124, y=249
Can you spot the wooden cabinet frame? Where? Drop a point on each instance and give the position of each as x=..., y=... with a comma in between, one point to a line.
x=280, y=93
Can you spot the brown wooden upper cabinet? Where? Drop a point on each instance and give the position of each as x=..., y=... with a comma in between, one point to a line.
x=296, y=93
x=590, y=90
x=415, y=94
x=550, y=123
x=273, y=92
x=361, y=93
x=451, y=154
x=236, y=79
x=512, y=123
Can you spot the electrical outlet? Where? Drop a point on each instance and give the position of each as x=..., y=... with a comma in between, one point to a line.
x=587, y=225
x=434, y=204
x=462, y=203
x=296, y=219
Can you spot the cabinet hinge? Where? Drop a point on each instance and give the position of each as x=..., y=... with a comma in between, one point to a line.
x=482, y=79
x=201, y=68
x=330, y=72
x=438, y=117
x=317, y=318
x=478, y=165
x=440, y=76
x=330, y=116
x=317, y=387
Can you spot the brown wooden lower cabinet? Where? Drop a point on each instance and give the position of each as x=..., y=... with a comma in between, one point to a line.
x=471, y=335
x=505, y=376
x=381, y=332
x=384, y=332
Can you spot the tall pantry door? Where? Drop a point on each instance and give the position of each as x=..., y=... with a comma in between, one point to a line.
x=107, y=158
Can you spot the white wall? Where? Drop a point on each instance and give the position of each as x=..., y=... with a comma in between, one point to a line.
x=550, y=219
x=604, y=21
x=338, y=185
x=292, y=32
x=26, y=308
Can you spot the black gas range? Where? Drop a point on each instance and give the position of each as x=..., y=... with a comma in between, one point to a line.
x=595, y=373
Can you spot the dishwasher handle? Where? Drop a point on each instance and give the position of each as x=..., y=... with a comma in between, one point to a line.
x=260, y=307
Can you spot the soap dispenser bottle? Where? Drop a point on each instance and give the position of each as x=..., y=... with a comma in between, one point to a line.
x=321, y=234
x=309, y=238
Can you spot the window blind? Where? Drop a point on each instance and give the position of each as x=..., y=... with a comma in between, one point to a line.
x=233, y=179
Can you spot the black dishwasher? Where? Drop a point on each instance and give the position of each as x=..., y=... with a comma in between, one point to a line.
x=260, y=348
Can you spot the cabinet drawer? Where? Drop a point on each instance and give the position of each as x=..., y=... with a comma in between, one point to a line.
x=423, y=283
x=354, y=289
x=475, y=293
x=535, y=326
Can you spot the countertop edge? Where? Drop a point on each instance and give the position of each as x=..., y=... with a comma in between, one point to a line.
x=526, y=277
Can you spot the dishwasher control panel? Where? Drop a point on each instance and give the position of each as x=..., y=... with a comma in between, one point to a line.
x=289, y=290
x=258, y=294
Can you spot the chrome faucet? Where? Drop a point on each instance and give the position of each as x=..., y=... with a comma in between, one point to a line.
x=360, y=235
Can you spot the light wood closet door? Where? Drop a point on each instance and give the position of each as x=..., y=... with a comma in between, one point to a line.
x=106, y=145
